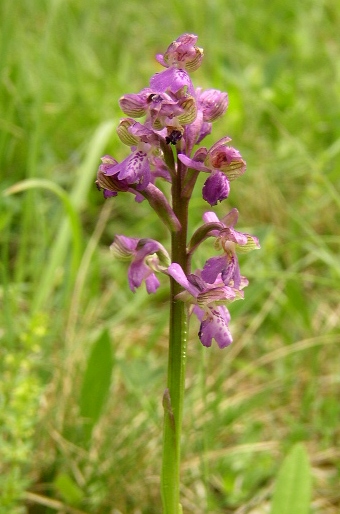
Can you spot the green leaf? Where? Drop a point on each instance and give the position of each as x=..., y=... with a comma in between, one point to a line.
x=96, y=382
x=68, y=489
x=292, y=492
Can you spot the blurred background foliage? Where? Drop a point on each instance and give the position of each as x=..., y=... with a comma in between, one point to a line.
x=82, y=359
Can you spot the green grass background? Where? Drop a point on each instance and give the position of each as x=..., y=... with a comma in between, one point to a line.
x=64, y=65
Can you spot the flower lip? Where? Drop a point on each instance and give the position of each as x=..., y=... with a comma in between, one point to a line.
x=216, y=188
x=215, y=326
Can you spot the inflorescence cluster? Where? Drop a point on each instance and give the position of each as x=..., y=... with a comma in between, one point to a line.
x=177, y=117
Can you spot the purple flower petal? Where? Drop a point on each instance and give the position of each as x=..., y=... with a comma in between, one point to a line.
x=229, y=234
x=231, y=271
x=191, y=163
x=205, y=131
x=216, y=188
x=109, y=194
x=212, y=268
x=210, y=217
x=135, y=169
x=231, y=218
x=221, y=293
x=152, y=283
x=171, y=79
x=138, y=271
x=212, y=102
x=124, y=247
x=193, y=131
x=227, y=265
x=177, y=273
x=215, y=326
x=135, y=105
x=226, y=159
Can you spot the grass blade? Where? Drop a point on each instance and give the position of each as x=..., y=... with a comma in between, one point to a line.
x=96, y=382
x=293, y=487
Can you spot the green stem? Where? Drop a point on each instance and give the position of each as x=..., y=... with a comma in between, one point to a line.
x=174, y=394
